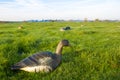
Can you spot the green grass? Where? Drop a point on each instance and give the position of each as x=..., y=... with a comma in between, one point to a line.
x=94, y=55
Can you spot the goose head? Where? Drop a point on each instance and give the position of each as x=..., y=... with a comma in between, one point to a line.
x=64, y=43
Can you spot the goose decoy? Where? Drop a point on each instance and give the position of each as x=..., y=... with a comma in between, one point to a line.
x=43, y=61
x=66, y=28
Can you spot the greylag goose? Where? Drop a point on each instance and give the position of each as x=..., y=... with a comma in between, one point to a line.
x=43, y=61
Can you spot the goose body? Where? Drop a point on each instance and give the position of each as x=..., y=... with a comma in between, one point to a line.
x=43, y=61
x=66, y=28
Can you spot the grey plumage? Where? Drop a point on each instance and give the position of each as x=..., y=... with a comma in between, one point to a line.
x=43, y=61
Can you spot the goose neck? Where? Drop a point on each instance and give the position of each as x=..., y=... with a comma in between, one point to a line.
x=59, y=49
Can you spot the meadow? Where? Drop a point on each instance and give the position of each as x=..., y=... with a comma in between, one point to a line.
x=94, y=55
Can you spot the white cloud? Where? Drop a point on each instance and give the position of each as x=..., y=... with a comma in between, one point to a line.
x=22, y=9
x=30, y=3
x=62, y=9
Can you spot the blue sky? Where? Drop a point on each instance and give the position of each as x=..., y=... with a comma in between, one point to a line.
x=11, y=10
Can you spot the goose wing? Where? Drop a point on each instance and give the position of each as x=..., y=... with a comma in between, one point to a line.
x=43, y=58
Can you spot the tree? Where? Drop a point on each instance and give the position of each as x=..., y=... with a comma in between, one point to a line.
x=97, y=20
x=85, y=20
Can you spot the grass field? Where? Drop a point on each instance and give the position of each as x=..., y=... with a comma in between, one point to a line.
x=94, y=55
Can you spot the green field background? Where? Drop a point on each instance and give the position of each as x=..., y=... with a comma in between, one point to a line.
x=94, y=55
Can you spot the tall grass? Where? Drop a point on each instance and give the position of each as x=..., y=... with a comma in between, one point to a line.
x=94, y=55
